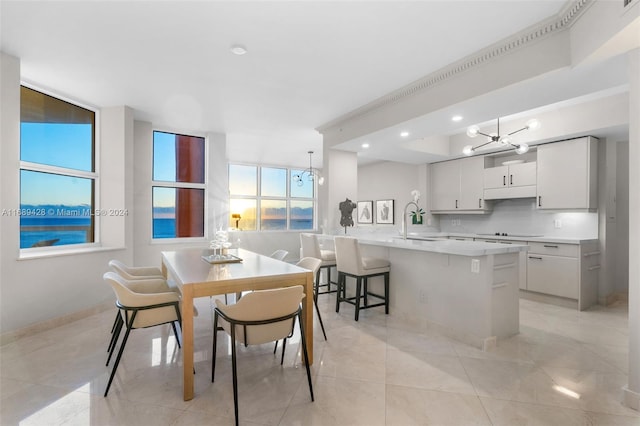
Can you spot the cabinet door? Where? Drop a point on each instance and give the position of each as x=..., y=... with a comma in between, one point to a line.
x=496, y=177
x=522, y=174
x=567, y=175
x=553, y=275
x=471, y=184
x=445, y=185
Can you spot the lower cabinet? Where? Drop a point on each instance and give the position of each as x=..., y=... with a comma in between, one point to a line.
x=559, y=269
x=553, y=275
x=564, y=270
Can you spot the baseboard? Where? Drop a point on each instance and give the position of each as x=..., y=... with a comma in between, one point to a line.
x=631, y=399
x=12, y=336
x=620, y=296
x=547, y=298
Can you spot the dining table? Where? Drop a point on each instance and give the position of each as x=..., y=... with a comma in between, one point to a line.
x=198, y=272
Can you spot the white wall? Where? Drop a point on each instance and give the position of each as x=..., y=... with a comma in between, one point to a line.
x=390, y=180
x=622, y=215
x=41, y=289
x=522, y=216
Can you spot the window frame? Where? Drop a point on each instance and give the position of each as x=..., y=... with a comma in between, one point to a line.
x=187, y=185
x=29, y=252
x=288, y=198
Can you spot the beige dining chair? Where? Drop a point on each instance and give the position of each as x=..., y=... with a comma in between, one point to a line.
x=279, y=254
x=261, y=316
x=135, y=272
x=141, y=304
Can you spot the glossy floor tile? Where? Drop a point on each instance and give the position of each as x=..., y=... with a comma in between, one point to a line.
x=564, y=368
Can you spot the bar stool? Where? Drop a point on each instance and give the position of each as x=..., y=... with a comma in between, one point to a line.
x=311, y=248
x=350, y=263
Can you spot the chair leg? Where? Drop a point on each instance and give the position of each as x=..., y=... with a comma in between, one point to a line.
x=317, y=284
x=386, y=293
x=175, y=333
x=114, y=338
x=306, y=356
x=215, y=347
x=284, y=346
x=235, y=371
x=124, y=342
x=315, y=302
x=115, y=321
x=358, y=296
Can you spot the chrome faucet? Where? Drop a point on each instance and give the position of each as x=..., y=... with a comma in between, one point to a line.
x=404, y=217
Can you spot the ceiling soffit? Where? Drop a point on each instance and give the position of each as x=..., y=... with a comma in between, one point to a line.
x=554, y=25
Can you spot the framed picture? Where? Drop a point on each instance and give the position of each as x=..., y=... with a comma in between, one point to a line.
x=365, y=211
x=384, y=211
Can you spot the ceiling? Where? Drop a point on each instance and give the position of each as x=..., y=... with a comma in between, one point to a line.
x=307, y=62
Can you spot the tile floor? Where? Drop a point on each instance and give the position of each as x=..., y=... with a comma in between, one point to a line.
x=564, y=368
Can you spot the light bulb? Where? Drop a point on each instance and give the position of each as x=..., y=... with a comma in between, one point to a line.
x=522, y=148
x=472, y=131
x=533, y=124
x=320, y=180
x=467, y=150
x=505, y=141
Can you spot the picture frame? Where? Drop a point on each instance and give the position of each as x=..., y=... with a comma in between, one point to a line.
x=365, y=212
x=384, y=212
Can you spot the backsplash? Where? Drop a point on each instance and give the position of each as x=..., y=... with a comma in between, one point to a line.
x=520, y=216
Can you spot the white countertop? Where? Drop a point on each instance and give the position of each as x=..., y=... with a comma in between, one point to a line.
x=539, y=239
x=440, y=245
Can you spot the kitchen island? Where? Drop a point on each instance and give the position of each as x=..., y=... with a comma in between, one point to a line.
x=466, y=289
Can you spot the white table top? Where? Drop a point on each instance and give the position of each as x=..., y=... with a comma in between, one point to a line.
x=187, y=266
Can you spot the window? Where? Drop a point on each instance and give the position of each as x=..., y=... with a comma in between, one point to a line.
x=57, y=171
x=178, y=185
x=267, y=199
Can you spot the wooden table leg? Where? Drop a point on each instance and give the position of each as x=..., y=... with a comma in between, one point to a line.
x=307, y=315
x=187, y=342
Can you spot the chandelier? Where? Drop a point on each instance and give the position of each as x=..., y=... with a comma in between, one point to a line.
x=474, y=131
x=310, y=174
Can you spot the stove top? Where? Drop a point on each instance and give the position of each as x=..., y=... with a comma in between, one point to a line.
x=505, y=234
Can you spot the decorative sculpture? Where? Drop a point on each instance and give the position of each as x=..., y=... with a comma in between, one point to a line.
x=346, y=209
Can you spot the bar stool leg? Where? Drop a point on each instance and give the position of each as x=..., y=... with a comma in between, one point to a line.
x=339, y=293
x=386, y=293
x=358, y=295
x=366, y=292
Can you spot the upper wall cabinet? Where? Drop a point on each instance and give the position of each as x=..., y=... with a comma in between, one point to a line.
x=567, y=175
x=457, y=186
x=510, y=181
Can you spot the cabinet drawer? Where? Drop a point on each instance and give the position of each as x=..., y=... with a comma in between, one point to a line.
x=553, y=275
x=554, y=249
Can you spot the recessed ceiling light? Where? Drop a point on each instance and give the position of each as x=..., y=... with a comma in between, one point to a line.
x=237, y=49
x=365, y=145
x=456, y=118
x=404, y=134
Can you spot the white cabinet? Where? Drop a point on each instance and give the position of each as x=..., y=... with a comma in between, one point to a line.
x=567, y=175
x=445, y=185
x=564, y=270
x=512, y=181
x=457, y=186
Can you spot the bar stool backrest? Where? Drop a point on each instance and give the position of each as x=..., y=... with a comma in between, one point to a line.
x=310, y=245
x=348, y=256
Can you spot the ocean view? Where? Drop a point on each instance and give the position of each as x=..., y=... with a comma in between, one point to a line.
x=64, y=236
x=162, y=228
